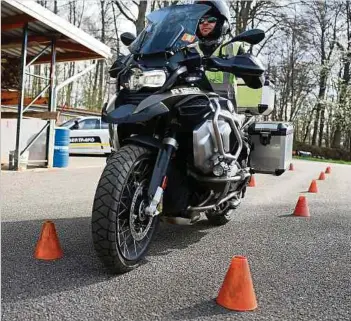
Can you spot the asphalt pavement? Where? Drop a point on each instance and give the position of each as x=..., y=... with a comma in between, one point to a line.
x=301, y=267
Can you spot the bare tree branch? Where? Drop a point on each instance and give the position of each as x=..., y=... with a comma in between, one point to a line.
x=124, y=12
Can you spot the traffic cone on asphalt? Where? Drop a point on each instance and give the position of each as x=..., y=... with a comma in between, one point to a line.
x=48, y=246
x=313, y=187
x=237, y=291
x=321, y=176
x=301, y=208
x=328, y=170
x=252, y=181
x=291, y=167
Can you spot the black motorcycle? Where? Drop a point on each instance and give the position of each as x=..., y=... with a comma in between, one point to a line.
x=180, y=149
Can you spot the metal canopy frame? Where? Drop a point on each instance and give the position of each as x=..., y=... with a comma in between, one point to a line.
x=51, y=105
x=53, y=90
x=66, y=43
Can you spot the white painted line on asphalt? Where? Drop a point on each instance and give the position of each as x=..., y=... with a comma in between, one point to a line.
x=51, y=169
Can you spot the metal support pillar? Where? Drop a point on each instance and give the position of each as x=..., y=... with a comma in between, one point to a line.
x=50, y=125
x=21, y=99
x=50, y=134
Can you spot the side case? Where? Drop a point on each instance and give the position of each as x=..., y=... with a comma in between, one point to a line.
x=272, y=146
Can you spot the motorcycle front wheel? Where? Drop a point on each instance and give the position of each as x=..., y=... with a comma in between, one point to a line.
x=121, y=231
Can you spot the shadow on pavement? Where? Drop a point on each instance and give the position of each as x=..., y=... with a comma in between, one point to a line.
x=72, y=155
x=24, y=277
x=206, y=308
x=177, y=237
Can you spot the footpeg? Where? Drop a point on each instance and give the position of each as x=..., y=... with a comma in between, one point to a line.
x=195, y=217
x=234, y=203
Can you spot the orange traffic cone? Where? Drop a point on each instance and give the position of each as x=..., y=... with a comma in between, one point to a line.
x=321, y=176
x=252, y=181
x=301, y=208
x=291, y=167
x=328, y=170
x=313, y=187
x=237, y=291
x=48, y=246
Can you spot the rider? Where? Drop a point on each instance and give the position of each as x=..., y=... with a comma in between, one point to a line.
x=213, y=28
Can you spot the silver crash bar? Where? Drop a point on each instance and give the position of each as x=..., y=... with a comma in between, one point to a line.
x=218, y=135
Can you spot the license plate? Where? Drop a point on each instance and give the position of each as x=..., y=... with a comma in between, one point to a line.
x=185, y=90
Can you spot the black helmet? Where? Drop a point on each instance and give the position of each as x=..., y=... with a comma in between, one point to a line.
x=220, y=10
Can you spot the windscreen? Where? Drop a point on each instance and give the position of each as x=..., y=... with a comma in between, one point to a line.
x=169, y=29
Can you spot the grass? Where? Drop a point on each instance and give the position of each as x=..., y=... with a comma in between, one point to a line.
x=335, y=161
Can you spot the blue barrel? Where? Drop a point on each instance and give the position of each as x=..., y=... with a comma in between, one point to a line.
x=61, y=147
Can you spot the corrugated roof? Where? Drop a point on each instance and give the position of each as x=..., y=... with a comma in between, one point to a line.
x=72, y=43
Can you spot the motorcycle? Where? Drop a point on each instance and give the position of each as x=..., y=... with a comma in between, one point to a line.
x=180, y=149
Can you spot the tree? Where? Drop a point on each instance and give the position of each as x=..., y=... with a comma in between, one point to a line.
x=344, y=94
x=322, y=17
x=141, y=7
x=251, y=14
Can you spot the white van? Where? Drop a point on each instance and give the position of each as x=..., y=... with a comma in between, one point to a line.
x=88, y=135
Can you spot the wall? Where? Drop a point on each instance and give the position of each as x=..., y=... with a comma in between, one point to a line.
x=30, y=127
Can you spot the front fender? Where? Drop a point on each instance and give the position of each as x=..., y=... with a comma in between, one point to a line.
x=170, y=98
x=108, y=107
x=147, y=141
x=149, y=108
x=125, y=114
x=128, y=114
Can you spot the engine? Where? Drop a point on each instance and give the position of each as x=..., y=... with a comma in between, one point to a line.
x=205, y=144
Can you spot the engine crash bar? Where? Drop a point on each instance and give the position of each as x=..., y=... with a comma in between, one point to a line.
x=218, y=135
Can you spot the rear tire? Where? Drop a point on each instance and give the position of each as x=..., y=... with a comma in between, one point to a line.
x=121, y=231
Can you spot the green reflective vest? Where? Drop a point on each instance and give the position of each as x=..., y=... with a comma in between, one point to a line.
x=223, y=83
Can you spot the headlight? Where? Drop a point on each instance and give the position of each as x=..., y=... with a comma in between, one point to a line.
x=151, y=78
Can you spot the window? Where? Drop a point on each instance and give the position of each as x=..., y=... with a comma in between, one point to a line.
x=104, y=125
x=89, y=124
x=68, y=123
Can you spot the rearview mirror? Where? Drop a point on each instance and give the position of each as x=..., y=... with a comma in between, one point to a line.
x=253, y=37
x=127, y=38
